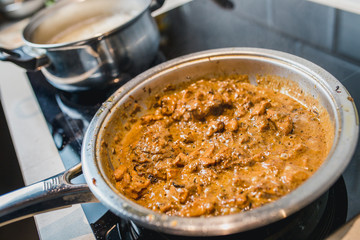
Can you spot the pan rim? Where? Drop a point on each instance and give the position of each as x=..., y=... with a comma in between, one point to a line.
x=343, y=148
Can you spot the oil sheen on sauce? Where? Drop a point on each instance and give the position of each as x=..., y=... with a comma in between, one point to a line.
x=217, y=147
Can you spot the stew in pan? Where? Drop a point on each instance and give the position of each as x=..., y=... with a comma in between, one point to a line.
x=219, y=146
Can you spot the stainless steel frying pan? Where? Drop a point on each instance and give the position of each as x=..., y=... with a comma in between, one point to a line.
x=58, y=190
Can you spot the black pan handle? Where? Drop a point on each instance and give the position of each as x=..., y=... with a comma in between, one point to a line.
x=156, y=4
x=52, y=193
x=22, y=59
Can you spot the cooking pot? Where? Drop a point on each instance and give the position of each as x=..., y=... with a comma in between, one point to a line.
x=16, y=9
x=125, y=44
x=58, y=190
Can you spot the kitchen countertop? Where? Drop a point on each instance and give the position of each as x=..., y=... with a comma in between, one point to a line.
x=327, y=41
x=40, y=159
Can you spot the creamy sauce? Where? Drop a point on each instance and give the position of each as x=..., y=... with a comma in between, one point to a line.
x=217, y=147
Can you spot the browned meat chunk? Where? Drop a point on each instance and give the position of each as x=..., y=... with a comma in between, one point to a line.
x=215, y=127
x=119, y=172
x=168, y=105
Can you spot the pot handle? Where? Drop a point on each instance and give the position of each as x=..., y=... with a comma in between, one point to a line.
x=156, y=4
x=22, y=59
x=49, y=194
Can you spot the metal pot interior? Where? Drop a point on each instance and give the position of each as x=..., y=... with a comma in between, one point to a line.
x=60, y=17
x=310, y=78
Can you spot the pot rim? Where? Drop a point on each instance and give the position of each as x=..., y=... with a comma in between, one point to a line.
x=346, y=135
x=41, y=15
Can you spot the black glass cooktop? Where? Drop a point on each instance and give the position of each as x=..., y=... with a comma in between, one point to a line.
x=317, y=33
x=68, y=117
